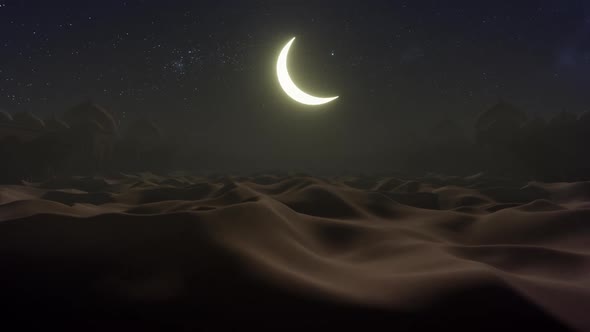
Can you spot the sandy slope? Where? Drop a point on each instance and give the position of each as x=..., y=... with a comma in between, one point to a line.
x=167, y=253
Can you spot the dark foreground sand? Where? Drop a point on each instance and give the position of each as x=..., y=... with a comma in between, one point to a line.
x=150, y=253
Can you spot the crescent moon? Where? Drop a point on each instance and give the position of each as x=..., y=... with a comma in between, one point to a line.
x=289, y=86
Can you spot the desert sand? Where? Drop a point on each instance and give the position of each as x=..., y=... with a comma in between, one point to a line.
x=146, y=252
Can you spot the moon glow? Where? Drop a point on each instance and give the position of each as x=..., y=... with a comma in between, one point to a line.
x=289, y=86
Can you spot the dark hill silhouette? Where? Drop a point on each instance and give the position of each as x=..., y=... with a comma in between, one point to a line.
x=503, y=141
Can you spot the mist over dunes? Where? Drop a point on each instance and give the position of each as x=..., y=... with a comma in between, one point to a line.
x=88, y=139
x=178, y=166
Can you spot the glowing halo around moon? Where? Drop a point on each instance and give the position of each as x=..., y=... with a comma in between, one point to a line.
x=289, y=86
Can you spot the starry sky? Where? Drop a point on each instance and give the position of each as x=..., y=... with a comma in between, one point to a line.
x=207, y=67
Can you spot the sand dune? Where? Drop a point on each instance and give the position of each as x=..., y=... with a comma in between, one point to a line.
x=171, y=253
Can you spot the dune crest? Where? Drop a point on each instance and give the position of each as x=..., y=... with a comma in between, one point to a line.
x=383, y=247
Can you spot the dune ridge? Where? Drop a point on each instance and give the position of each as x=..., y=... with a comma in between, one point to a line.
x=381, y=246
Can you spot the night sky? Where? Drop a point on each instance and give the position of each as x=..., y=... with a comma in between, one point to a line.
x=207, y=68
